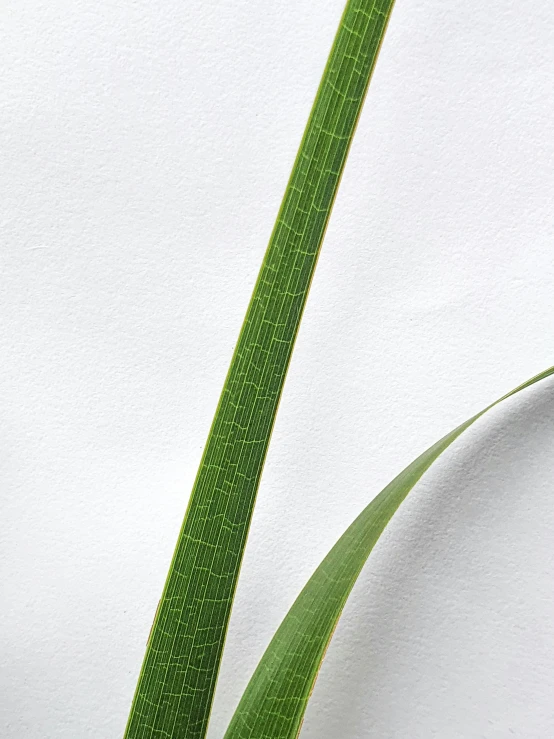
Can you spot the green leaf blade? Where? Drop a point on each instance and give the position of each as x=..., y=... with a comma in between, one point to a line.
x=177, y=681
x=275, y=700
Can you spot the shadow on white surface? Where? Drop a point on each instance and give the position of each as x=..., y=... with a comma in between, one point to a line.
x=450, y=631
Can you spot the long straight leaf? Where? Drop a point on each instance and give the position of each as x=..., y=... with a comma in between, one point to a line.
x=275, y=699
x=176, y=685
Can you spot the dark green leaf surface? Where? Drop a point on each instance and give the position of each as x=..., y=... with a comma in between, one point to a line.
x=176, y=685
x=275, y=700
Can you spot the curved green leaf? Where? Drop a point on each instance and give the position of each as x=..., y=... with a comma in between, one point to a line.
x=176, y=685
x=275, y=699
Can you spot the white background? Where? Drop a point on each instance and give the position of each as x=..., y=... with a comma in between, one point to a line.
x=145, y=149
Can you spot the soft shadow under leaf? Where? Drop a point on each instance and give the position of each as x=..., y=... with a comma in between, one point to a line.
x=276, y=697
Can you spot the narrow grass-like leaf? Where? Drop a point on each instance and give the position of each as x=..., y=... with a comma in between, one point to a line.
x=275, y=699
x=177, y=681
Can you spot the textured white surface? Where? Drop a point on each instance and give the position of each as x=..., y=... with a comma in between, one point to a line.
x=146, y=146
